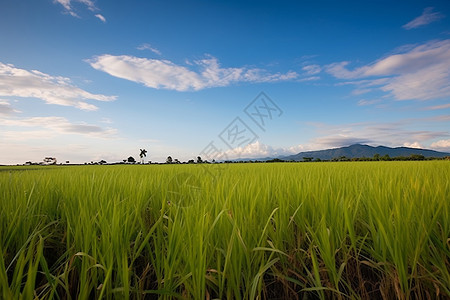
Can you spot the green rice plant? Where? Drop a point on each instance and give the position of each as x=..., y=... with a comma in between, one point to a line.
x=359, y=230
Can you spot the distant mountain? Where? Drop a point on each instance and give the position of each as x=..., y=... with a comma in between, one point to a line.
x=359, y=150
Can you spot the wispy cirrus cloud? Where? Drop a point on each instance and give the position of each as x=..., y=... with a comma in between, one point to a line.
x=68, y=6
x=421, y=72
x=365, y=102
x=312, y=69
x=56, y=125
x=146, y=46
x=164, y=74
x=310, y=78
x=437, y=107
x=16, y=82
x=427, y=17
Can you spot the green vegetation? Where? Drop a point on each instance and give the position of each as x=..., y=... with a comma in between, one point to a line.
x=279, y=230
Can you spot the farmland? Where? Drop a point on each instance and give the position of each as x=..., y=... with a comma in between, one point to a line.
x=282, y=230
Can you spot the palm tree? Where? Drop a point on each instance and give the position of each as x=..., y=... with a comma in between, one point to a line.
x=142, y=155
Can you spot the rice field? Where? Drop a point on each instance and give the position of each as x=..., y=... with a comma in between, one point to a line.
x=358, y=230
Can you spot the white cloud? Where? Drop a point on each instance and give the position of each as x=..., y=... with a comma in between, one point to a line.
x=432, y=82
x=312, y=69
x=441, y=145
x=164, y=74
x=364, y=102
x=106, y=121
x=89, y=3
x=413, y=145
x=101, y=18
x=68, y=6
x=6, y=108
x=149, y=47
x=436, y=107
x=361, y=91
x=15, y=82
x=57, y=125
x=421, y=73
x=311, y=78
x=340, y=140
x=260, y=150
x=427, y=17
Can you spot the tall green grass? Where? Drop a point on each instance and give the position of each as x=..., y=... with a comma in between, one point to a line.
x=302, y=230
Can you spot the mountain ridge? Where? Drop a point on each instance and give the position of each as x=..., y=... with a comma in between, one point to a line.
x=354, y=151
x=361, y=150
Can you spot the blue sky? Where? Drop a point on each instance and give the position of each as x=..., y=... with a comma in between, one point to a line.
x=85, y=80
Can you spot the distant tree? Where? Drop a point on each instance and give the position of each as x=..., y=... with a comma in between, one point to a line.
x=191, y=161
x=199, y=160
x=131, y=160
x=102, y=162
x=50, y=161
x=417, y=157
x=275, y=160
x=385, y=157
x=317, y=160
x=176, y=161
x=169, y=160
x=308, y=158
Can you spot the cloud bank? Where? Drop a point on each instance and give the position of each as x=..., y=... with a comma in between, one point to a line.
x=15, y=82
x=164, y=74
